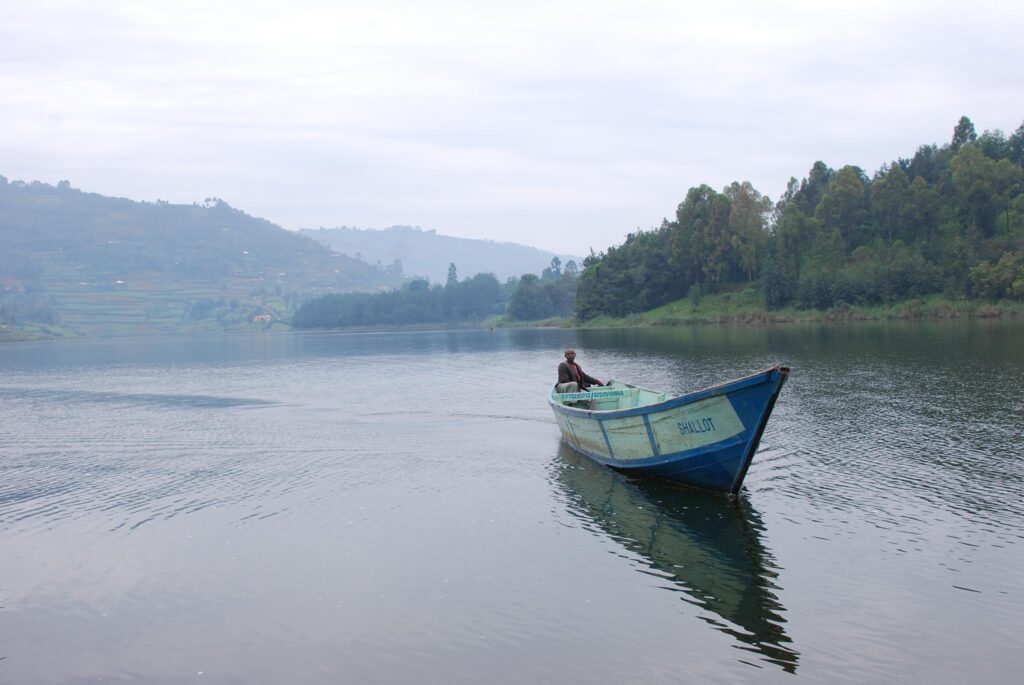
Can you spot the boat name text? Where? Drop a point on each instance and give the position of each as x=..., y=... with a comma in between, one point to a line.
x=693, y=426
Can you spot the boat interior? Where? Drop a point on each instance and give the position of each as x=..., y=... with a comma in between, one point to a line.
x=633, y=397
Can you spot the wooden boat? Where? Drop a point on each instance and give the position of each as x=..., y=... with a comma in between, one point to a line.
x=705, y=439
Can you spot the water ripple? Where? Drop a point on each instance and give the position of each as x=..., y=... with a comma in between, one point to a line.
x=170, y=401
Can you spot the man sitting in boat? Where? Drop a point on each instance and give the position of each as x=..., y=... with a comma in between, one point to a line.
x=571, y=377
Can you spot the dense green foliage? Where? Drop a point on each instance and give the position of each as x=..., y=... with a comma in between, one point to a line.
x=528, y=298
x=416, y=302
x=948, y=220
x=552, y=294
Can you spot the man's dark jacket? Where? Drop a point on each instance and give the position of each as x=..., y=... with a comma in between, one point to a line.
x=566, y=374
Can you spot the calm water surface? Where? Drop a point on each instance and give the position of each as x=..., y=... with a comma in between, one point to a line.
x=399, y=508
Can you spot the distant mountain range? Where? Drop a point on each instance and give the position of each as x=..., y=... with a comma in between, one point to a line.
x=81, y=263
x=425, y=253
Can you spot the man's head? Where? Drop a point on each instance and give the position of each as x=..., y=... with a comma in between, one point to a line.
x=570, y=354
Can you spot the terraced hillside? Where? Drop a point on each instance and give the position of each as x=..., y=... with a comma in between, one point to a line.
x=83, y=264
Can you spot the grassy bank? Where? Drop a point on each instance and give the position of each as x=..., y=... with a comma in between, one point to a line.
x=747, y=307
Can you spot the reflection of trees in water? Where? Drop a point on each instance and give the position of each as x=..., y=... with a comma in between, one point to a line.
x=707, y=544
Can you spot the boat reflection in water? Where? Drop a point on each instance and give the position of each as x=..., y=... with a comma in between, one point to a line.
x=708, y=545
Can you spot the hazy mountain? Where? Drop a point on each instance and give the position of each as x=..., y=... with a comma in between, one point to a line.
x=91, y=264
x=425, y=253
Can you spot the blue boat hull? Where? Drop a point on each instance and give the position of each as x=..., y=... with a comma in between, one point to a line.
x=705, y=439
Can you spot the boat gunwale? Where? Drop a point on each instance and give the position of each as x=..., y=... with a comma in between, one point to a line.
x=725, y=388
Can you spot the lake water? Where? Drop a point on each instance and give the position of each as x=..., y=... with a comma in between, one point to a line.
x=399, y=508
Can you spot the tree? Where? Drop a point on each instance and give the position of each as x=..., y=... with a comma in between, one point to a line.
x=700, y=246
x=1007, y=180
x=888, y=195
x=844, y=206
x=631, y=277
x=562, y=292
x=963, y=134
x=747, y=220
x=813, y=188
x=977, y=183
x=994, y=144
x=778, y=283
x=453, y=276
x=925, y=164
x=477, y=297
x=1015, y=146
x=553, y=272
x=416, y=302
x=591, y=295
x=1005, y=278
x=919, y=211
x=794, y=233
x=529, y=302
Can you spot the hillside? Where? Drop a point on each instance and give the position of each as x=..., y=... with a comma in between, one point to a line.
x=427, y=254
x=82, y=263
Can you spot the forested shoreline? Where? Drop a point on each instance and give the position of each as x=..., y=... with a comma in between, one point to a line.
x=947, y=222
x=529, y=298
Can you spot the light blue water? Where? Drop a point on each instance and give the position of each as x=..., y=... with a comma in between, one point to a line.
x=395, y=508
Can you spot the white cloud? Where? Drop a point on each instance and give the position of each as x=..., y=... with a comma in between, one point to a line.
x=556, y=124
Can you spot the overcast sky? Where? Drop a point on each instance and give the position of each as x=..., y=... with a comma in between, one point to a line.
x=563, y=125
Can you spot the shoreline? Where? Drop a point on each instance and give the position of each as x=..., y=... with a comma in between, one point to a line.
x=710, y=312
x=719, y=312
